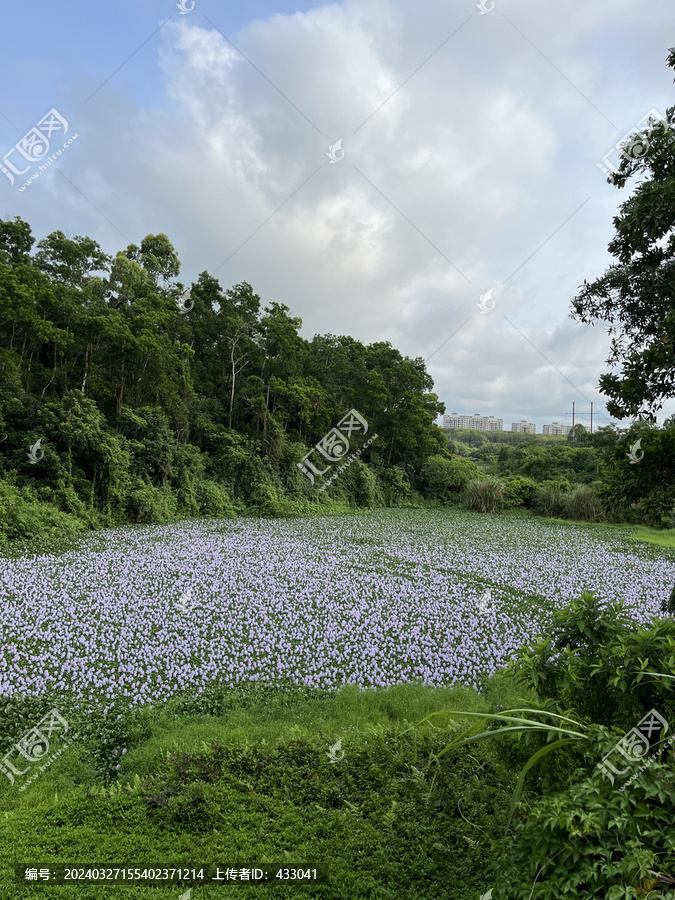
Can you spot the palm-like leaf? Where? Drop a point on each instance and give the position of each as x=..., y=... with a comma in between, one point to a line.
x=517, y=724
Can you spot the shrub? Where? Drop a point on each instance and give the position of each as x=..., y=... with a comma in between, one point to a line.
x=519, y=491
x=214, y=499
x=194, y=808
x=583, y=504
x=560, y=483
x=668, y=606
x=149, y=504
x=655, y=510
x=264, y=500
x=594, y=840
x=364, y=487
x=550, y=501
x=594, y=662
x=461, y=449
x=23, y=516
x=484, y=495
x=106, y=738
x=590, y=837
x=441, y=478
x=396, y=485
x=20, y=713
x=236, y=464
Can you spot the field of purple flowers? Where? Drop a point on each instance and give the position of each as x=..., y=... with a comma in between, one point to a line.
x=138, y=614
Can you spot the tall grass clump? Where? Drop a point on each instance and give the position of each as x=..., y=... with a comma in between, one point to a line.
x=550, y=501
x=485, y=495
x=583, y=504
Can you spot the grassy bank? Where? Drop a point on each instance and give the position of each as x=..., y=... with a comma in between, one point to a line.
x=254, y=783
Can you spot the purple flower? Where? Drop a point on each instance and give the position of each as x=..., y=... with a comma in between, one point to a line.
x=314, y=602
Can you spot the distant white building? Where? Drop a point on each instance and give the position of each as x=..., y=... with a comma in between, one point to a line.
x=525, y=427
x=554, y=428
x=476, y=422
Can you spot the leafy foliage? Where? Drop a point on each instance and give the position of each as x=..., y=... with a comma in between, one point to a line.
x=593, y=676
x=146, y=413
x=519, y=491
x=583, y=504
x=637, y=293
x=643, y=491
x=444, y=479
x=107, y=737
x=550, y=501
x=484, y=495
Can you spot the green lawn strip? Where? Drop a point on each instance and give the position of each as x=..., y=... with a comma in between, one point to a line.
x=654, y=536
x=658, y=537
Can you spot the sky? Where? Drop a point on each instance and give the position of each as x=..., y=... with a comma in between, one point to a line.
x=466, y=145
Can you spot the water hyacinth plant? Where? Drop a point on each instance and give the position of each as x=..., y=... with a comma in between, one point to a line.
x=320, y=602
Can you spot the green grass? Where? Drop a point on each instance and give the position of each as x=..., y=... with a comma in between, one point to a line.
x=658, y=536
x=654, y=536
x=255, y=784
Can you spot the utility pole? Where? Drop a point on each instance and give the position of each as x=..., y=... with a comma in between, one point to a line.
x=591, y=417
x=573, y=421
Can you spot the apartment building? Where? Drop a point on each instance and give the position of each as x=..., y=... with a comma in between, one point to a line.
x=524, y=427
x=554, y=428
x=475, y=422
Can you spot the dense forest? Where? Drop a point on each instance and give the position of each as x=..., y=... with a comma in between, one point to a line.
x=125, y=397
x=150, y=402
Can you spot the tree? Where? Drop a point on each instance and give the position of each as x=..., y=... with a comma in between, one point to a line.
x=205, y=298
x=138, y=400
x=283, y=388
x=157, y=256
x=442, y=478
x=71, y=262
x=644, y=479
x=605, y=438
x=238, y=320
x=16, y=241
x=637, y=293
x=636, y=296
x=578, y=435
x=405, y=422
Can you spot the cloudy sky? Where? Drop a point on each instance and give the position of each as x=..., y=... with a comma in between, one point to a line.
x=465, y=152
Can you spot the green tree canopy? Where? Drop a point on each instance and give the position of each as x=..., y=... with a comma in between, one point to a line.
x=637, y=293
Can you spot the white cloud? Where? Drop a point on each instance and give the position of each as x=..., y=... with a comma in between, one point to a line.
x=486, y=150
